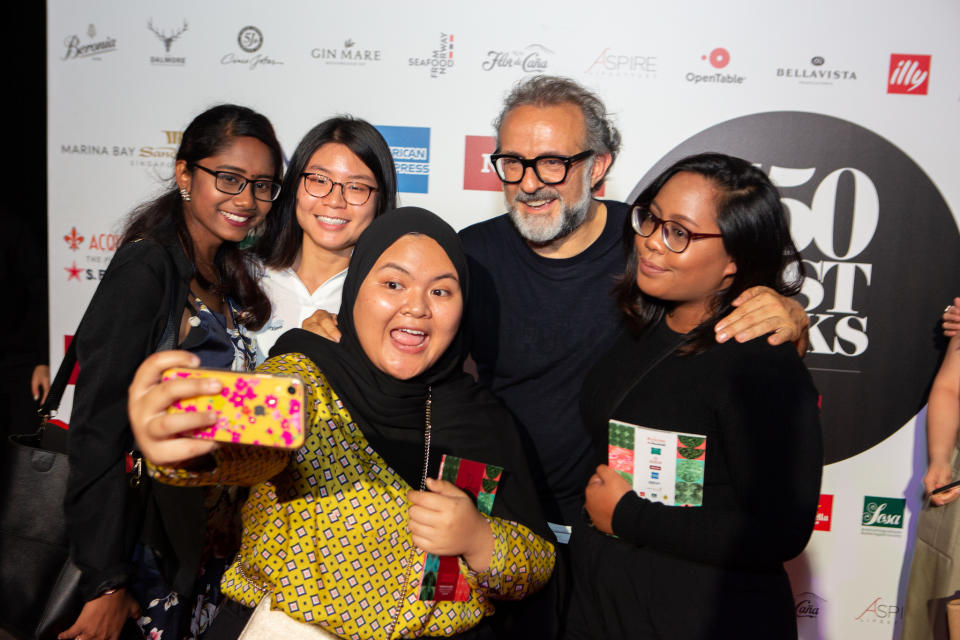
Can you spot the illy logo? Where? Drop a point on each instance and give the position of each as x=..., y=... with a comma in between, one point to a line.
x=909, y=73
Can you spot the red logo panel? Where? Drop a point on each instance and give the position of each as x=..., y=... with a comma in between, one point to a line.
x=909, y=73
x=824, y=513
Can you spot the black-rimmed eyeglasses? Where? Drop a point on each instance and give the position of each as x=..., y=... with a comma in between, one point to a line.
x=319, y=185
x=676, y=237
x=549, y=169
x=234, y=183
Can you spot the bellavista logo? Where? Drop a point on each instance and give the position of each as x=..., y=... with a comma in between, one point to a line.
x=909, y=73
x=883, y=513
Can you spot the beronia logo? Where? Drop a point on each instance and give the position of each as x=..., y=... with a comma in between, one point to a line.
x=909, y=73
x=883, y=513
x=872, y=228
x=93, y=48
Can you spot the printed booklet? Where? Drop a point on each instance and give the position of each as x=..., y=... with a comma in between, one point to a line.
x=442, y=579
x=662, y=466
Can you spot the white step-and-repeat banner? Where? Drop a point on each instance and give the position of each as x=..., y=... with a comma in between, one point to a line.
x=852, y=108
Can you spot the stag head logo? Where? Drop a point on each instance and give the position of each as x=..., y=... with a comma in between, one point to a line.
x=167, y=39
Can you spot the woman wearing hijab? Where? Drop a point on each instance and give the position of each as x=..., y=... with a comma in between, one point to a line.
x=335, y=534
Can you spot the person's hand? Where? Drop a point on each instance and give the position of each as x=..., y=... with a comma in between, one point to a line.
x=444, y=521
x=102, y=618
x=324, y=324
x=761, y=310
x=40, y=382
x=951, y=318
x=938, y=475
x=159, y=434
x=604, y=490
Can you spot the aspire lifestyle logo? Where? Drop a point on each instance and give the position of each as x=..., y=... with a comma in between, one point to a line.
x=858, y=213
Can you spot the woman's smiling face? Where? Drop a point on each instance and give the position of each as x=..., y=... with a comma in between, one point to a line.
x=213, y=217
x=693, y=278
x=409, y=306
x=330, y=223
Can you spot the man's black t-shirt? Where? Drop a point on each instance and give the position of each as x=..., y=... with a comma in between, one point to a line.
x=537, y=326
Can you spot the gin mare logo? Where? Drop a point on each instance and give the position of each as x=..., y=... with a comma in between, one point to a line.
x=883, y=512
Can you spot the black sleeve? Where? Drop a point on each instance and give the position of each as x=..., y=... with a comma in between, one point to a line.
x=773, y=446
x=119, y=329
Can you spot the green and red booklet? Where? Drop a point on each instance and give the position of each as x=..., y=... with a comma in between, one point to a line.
x=662, y=466
x=442, y=579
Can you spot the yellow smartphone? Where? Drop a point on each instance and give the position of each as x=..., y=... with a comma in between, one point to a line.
x=254, y=408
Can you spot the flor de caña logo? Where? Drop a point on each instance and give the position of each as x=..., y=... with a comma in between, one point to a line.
x=876, y=237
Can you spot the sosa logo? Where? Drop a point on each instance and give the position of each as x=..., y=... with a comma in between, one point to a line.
x=884, y=513
x=876, y=235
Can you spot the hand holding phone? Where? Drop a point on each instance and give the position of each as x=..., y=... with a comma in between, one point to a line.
x=254, y=408
x=945, y=487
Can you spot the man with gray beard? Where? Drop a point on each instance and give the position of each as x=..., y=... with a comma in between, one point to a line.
x=540, y=311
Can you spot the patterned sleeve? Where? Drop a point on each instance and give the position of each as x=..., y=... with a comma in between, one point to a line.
x=521, y=564
x=244, y=465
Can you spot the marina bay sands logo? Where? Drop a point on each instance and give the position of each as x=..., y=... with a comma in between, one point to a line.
x=877, y=239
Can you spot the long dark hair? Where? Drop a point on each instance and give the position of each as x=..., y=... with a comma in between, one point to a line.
x=208, y=134
x=282, y=236
x=755, y=235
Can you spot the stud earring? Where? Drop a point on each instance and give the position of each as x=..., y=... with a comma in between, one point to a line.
x=185, y=194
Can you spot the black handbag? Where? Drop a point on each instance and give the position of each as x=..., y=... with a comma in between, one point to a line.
x=39, y=585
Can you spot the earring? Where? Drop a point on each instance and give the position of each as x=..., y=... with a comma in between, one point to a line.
x=185, y=194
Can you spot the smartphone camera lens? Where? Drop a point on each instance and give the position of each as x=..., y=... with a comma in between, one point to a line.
x=291, y=390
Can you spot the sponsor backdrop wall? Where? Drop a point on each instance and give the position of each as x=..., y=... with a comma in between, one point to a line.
x=851, y=108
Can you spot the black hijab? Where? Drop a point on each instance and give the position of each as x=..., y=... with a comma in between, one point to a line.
x=467, y=420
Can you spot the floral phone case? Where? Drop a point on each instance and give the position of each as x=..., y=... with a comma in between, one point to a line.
x=255, y=408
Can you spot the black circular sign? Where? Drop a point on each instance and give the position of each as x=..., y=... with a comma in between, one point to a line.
x=881, y=256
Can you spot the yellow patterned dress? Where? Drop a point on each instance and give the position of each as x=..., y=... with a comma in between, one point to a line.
x=325, y=532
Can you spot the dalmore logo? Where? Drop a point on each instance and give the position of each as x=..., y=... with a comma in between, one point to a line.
x=167, y=39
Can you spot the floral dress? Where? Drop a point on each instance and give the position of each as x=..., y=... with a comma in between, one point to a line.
x=166, y=614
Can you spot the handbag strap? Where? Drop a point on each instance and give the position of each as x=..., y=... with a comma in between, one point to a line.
x=643, y=373
x=59, y=384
